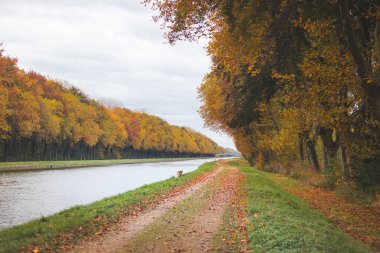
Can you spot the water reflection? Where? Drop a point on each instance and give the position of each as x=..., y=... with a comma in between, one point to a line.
x=29, y=195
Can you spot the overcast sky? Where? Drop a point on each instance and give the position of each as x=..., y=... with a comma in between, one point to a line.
x=109, y=49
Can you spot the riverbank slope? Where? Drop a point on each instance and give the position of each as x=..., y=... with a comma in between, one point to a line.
x=53, y=165
x=66, y=228
x=224, y=206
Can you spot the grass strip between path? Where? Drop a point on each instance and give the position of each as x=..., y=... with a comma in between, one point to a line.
x=281, y=222
x=55, y=232
x=171, y=223
x=233, y=231
x=49, y=165
x=190, y=225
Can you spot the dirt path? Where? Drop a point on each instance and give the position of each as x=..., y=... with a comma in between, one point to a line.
x=192, y=225
x=192, y=213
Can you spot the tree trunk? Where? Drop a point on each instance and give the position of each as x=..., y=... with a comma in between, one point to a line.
x=301, y=148
x=6, y=145
x=345, y=173
x=313, y=155
x=44, y=152
x=373, y=96
x=325, y=157
x=26, y=150
x=370, y=79
x=330, y=146
x=33, y=149
x=13, y=149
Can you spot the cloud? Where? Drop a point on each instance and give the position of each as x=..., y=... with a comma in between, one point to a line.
x=112, y=49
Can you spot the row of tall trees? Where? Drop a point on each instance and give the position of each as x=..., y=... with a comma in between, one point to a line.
x=292, y=81
x=41, y=119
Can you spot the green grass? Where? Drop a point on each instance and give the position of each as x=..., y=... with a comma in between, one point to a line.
x=281, y=222
x=48, y=165
x=160, y=230
x=229, y=236
x=88, y=217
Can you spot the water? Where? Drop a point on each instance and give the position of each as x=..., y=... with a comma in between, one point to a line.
x=25, y=196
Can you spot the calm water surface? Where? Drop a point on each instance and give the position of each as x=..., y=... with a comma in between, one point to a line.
x=29, y=195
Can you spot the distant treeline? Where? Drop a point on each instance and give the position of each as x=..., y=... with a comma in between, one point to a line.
x=41, y=119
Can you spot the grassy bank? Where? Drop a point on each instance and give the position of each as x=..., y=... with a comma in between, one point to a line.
x=69, y=226
x=355, y=214
x=48, y=165
x=281, y=222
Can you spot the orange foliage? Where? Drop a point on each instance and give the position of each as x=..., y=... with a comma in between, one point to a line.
x=53, y=120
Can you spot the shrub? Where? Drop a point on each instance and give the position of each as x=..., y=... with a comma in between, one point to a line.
x=369, y=176
x=354, y=193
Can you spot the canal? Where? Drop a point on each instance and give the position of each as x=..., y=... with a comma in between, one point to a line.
x=28, y=195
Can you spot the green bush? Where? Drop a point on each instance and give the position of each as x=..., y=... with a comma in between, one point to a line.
x=354, y=192
x=369, y=176
x=330, y=178
x=267, y=168
x=296, y=174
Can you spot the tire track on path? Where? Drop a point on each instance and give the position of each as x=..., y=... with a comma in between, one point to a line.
x=193, y=224
x=116, y=237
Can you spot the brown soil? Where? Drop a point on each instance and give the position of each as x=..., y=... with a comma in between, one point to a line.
x=359, y=221
x=194, y=227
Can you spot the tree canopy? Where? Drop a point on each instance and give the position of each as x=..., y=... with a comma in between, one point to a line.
x=291, y=80
x=43, y=119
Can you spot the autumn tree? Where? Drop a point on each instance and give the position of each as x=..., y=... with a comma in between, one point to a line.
x=43, y=119
x=287, y=75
